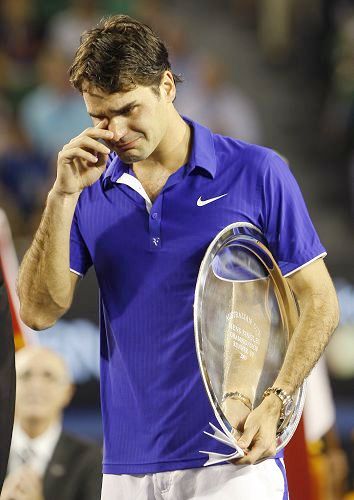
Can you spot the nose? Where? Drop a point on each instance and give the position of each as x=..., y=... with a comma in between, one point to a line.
x=118, y=126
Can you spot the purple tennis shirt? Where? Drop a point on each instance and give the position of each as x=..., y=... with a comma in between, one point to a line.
x=147, y=257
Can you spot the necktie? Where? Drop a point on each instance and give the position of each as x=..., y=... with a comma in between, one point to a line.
x=26, y=455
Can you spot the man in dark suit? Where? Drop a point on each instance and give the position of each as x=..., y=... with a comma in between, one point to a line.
x=7, y=379
x=46, y=463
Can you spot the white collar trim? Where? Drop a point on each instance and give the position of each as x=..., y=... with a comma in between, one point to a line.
x=135, y=184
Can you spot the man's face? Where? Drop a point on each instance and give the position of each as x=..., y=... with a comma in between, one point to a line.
x=43, y=385
x=138, y=119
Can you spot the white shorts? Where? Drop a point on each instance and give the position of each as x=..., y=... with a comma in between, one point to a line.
x=264, y=481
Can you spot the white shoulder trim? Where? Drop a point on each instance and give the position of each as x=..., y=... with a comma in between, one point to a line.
x=76, y=272
x=306, y=264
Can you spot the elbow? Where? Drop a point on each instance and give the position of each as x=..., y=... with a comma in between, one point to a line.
x=333, y=308
x=36, y=321
x=327, y=307
x=336, y=312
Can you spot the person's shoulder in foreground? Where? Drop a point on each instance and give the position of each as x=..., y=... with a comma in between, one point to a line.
x=7, y=379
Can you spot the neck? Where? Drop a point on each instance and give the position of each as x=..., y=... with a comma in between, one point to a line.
x=35, y=428
x=173, y=150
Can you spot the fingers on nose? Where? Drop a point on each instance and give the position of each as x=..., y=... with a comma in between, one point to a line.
x=118, y=133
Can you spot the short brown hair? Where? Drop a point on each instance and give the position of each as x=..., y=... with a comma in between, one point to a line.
x=119, y=54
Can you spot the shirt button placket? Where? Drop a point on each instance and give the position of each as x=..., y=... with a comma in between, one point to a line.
x=155, y=226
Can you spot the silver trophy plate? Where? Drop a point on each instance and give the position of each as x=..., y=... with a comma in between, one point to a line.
x=244, y=316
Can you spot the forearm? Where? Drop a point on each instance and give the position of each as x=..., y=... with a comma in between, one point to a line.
x=44, y=284
x=318, y=319
x=246, y=338
x=243, y=366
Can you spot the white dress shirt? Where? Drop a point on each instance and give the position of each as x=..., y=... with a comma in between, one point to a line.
x=35, y=452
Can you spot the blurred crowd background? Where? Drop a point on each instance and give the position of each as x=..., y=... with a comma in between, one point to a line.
x=274, y=72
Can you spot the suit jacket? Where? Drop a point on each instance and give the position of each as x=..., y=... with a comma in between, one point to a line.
x=7, y=380
x=74, y=471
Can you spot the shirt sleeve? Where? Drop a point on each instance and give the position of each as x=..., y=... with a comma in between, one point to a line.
x=288, y=228
x=80, y=258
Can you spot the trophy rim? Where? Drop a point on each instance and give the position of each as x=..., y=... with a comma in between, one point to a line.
x=222, y=239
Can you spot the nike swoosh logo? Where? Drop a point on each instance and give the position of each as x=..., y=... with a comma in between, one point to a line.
x=201, y=202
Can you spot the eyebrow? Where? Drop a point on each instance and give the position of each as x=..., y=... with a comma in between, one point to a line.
x=117, y=111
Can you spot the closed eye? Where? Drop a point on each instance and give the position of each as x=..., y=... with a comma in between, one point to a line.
x=127, y=111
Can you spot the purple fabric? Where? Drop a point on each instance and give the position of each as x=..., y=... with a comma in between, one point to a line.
x=282, y=469
x=154, y=404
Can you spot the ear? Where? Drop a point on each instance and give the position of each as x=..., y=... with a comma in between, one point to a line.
x=168, y=87
x=69, y=393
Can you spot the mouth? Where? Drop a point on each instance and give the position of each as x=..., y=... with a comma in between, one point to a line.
x=127, y=145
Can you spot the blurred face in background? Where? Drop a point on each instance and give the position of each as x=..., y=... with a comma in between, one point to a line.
x=43, y=387
x=52, y=67
x=16, y=12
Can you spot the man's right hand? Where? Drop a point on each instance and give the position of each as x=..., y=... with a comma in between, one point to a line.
x=236, y=413
x=82, y=161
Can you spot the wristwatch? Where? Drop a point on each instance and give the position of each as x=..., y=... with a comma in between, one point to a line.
x=286, y=400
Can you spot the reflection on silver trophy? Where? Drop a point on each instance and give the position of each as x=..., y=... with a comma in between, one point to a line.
x=244, y=316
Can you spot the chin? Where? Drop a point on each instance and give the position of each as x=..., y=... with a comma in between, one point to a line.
x=34, y=413
x=131, y=157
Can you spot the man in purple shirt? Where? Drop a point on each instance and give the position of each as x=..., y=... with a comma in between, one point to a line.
x=140, y=196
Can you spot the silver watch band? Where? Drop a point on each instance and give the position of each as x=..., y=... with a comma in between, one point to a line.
x=278, y=391
x=286, y=400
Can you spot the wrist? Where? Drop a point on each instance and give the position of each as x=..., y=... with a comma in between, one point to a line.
x=55, y=192
x=281, y=402
x=238, y=396
x=274, y=404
